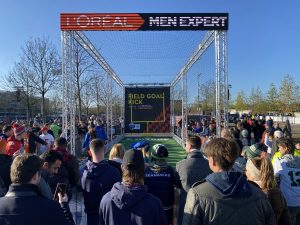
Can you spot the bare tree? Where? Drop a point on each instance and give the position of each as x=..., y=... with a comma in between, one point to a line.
x=241, y=101
x=289, y=94
x=208, y=95
x=272, y=98
x=42, y=60
x=84, y=66
x=18, y=79
x=99, y=90
x=87, y=98
x=257, y=102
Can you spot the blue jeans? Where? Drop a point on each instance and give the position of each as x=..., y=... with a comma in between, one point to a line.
x=295, y=215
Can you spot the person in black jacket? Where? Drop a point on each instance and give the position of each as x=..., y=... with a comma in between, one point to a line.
x=97, y=179
x=68, y=172
x=23, y=205
x=52, y=161
x=162, y=179
x=5, y=163
x=32, y=139
x=7, y=131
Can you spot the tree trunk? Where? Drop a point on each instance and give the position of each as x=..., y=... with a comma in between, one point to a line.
x=79, y=105
x=98, y=109
x=97, y=101
x=28, y=107
x=43, y=106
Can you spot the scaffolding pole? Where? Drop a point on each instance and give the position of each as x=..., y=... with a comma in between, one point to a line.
x=184, y=109
x=68, y=93
x=221, y=81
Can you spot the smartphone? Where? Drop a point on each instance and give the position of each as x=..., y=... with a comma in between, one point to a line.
x=60, y=188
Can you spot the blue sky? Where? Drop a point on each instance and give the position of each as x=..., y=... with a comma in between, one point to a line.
x=263, y=35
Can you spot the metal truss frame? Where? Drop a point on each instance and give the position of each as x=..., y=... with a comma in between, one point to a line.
x=221, y=80
x=68, y=66
x=68, y=92
x=147, y=85
x=220, y=40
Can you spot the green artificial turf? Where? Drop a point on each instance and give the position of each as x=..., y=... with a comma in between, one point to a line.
x=176, y=152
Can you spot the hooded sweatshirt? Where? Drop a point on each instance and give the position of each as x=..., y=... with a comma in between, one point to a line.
x=97, y=180
x=227, y=198
x=131, y=205
x=230, y=184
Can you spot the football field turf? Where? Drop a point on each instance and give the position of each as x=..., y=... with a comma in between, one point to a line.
x=176, y=152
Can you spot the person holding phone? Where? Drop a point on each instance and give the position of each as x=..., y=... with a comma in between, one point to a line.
x=23, y=203
x=52, y=161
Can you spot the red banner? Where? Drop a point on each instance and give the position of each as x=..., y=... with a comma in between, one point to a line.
x=100, y=21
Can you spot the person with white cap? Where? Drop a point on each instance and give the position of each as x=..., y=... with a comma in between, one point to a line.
x=48, y=138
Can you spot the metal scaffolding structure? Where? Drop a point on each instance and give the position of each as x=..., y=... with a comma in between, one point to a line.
x=68, y=69
x=68, y=93
x=219, y=38
x=221, y=80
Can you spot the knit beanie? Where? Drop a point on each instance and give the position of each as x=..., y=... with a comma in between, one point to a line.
x=253, y=170
x=269, y=123
x=18, y=129
x=159, y=151
x=244, y=133
x=254, y=150
x=278, y=134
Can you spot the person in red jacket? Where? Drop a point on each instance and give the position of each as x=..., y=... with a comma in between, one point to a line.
x=15, y=142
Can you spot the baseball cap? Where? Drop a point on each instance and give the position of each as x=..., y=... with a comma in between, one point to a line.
x=44, y=129
x=140, y=144
x=133, y=157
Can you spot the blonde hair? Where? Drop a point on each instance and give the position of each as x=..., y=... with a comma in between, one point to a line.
x=117, y=151
x=267, y=178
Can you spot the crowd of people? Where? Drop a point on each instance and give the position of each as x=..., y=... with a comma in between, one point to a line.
x=250, y=175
